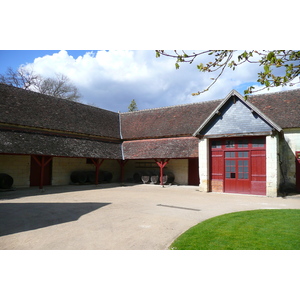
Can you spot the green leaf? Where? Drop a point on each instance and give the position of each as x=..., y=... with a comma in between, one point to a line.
x=270, y=56
x=267, y=68
x=200, y=67
x=177, y=66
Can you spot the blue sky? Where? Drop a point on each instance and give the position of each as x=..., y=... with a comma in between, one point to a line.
x=15, y=58
x=111, y=79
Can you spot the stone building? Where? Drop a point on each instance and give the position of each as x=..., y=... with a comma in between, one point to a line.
x=229, y=145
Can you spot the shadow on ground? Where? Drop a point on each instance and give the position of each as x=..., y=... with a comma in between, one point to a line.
x=17, y=193
x=19, y=217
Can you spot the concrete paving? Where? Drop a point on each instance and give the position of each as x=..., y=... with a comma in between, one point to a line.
x=114, y=217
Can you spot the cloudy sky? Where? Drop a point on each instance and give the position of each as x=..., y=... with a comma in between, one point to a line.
x=111, y=79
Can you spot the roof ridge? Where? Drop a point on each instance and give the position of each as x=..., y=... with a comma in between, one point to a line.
x=171, y=106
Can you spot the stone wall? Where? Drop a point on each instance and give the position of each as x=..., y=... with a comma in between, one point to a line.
x=179, y=167
x=289, y=144
x=18, y=167
x=62, y=168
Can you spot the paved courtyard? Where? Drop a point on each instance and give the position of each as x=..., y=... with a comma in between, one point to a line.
x=114, y=217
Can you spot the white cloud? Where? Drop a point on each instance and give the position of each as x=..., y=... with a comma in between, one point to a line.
x=111, y=79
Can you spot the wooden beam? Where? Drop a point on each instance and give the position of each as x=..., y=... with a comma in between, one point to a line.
x=162, y=163
x=35, y=157
x=42, y=163
x=97, y=163
x=42, y=172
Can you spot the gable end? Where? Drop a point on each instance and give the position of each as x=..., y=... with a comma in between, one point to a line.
x=236, y=116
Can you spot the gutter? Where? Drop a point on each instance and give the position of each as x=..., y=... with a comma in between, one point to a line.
x=121, y=137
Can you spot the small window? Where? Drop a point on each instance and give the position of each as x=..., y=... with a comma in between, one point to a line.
x=258, y=143
x=230, y=168
x=229, y=154
x=243, y=169
x=216, y=144
x=229, y=144
x=243, y=154
x=243, y=143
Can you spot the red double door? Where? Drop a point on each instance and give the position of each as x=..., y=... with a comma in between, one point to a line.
x=239, y=165
x=237, y=179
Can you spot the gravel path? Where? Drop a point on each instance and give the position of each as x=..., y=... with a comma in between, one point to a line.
x=114, y=217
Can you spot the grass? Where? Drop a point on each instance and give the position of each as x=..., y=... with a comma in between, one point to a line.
x=275, y=229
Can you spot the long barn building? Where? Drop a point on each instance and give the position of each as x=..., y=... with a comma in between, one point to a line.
x=229, y=145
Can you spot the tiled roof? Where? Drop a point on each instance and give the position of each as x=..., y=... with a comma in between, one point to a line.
x=183, y=120
x=40, y=144
x=27, y=108
x=80, y=130
x=180, y=120
x=283, y=108
x=161, y=148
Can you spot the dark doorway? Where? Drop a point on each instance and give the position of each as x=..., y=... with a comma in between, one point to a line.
x=36, y=169
x=193, y=171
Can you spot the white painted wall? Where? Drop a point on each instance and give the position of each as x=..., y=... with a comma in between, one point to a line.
x=204, y=165
x=272, y=166
x=179, y=167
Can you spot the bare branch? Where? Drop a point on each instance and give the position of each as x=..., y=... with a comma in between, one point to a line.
x=287, y=61
x=25, y=78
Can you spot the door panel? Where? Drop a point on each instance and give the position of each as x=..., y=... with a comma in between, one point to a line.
x=217, y=171
x=237, y=172
x=258, y=175
x=230, y=175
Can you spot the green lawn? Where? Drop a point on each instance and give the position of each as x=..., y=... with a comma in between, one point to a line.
x=266, y=229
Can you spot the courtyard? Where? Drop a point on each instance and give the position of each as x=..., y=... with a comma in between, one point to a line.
x=114, y=217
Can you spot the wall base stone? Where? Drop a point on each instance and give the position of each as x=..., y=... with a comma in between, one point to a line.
x=217, y=186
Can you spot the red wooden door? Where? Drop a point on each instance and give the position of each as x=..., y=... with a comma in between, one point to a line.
x=258, y=172
x=237, y=170
x=238, y=165
x=217, y=171
x=193, y=178
x=35, y=171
